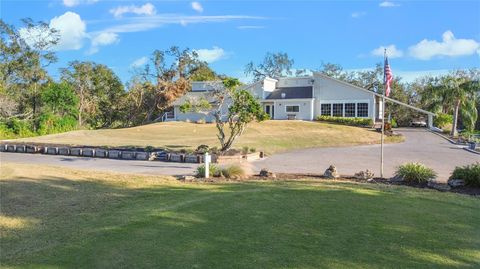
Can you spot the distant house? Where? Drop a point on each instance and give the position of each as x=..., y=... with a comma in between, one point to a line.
x=301, y=98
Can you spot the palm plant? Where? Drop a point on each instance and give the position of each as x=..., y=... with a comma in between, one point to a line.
x=457, y=94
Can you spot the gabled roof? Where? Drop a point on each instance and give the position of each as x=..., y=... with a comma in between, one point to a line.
x=374, y=93
x=291, y=93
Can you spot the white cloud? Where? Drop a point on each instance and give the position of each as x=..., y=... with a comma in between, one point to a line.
x=138, y=24
x=358, y=14
x=449, y=46
x=388, y=4
x=72, y=3
x=139, y=62
x=102, y=39
x=211, y=55
x=246, y=27
x=197, y=6
x=392, y=51
x=72, y=30
x=147, y=9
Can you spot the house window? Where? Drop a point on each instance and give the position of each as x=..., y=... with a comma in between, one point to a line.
x=292, y=108
x=350, y=110
x=337, y=110
x=326, y=109
x=362, y=110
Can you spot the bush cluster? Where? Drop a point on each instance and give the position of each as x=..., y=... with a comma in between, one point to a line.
x=469, y=173
x=347, y=121
x=415, y=172
x=232, y=171
x=47, y=123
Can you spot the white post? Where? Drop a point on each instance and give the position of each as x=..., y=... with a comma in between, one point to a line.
x=383, y=131
x=206, y=161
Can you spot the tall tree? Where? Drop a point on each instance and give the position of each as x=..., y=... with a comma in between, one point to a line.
x=24, y=55
x=232, y=108
x=274, y=65
x=99, y=91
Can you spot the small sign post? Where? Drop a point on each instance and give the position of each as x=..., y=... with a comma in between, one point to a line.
x=207, y=159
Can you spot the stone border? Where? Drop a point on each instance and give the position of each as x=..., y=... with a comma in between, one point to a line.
x=117, y=154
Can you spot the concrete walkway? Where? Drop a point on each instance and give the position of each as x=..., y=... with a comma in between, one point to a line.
x=420, y=146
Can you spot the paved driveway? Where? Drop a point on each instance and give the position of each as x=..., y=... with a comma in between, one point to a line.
x=420, y=146
x=85, y=163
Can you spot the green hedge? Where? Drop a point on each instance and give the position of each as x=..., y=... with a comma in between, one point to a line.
x=347, y=121
x=469, y=173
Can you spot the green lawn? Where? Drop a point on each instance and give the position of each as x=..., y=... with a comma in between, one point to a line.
x=60, y=218
x=269, y=136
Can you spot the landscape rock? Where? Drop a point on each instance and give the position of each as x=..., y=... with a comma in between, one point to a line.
x=454, y=183
x=63, y=151
x=265, y=173
x=128, y=155
x=51, y=150
x=397, y=179
x=88, y=152
x=76, y=152
x=142, y=156
x=31, y=149
x=365, y=175
x=370, y=180
x=102, y=153
x=438, y=186
x=331, y=172
x=114, y=154
x=187, y=178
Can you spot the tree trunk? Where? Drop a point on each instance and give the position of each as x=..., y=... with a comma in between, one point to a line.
x=455, y=119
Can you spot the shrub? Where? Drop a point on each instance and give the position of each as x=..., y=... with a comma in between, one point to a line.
x=202, y=149
x=415, y=172
x=149, y=148
x=233, y=171
x=213, y=169
x=469, y=173
x=394, y=123
x=442, y=120
x=245, y=150
x=49, y=123
x=347, y=121
x=253, y=150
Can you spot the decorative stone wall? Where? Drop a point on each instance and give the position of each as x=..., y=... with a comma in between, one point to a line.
x=121, y=154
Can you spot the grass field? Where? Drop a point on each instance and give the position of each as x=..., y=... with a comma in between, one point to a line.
x=59, y=218
x=269, y=136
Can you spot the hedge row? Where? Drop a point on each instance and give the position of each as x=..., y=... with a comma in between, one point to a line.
x=347, y=121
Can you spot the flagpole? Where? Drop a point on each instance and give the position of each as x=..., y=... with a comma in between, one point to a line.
x=383, y=115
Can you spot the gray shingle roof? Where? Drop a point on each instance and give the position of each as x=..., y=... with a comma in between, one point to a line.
x=291, y=93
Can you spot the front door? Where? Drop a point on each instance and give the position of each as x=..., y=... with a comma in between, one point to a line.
x=269, y=109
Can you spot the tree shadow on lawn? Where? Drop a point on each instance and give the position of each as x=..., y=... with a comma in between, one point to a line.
x=90, y=224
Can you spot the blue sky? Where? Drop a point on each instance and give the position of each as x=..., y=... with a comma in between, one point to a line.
x=421, y=36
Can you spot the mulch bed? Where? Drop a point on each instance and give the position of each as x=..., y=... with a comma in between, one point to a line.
x=473, y=191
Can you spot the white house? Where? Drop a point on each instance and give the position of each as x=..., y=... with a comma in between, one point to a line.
x=301, y=98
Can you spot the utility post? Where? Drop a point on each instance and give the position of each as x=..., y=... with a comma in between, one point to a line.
x=207, y=159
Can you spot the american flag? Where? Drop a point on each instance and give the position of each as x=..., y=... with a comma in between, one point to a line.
x=388, y=77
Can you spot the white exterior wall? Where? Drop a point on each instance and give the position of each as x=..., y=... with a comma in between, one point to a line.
x=195, y=116
x=305, y=109
x=327, y=90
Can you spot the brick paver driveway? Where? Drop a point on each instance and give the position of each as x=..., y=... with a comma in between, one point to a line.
x=420, y=146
